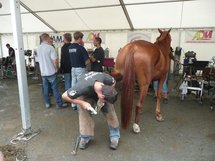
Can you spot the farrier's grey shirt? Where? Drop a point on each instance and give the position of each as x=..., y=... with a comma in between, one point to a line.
x=85, y=84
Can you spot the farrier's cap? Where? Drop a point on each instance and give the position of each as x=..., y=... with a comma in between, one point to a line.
x=110, y=93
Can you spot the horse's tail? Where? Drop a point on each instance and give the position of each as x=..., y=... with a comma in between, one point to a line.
x=127, y=90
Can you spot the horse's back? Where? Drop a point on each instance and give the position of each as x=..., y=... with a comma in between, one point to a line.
x=148, y=57
x=146, y=54
x=149, y=62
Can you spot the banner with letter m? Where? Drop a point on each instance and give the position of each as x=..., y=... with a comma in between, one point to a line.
x=200, y=36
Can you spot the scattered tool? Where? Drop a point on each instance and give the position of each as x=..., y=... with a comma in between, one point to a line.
x=75, y=149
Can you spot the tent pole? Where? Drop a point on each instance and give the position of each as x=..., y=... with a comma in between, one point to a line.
x=1, y=51
x=20, y=63
x=26, y=133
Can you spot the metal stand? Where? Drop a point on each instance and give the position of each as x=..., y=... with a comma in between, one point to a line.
x=24, y=135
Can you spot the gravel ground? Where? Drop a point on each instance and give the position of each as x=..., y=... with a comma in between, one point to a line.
x=187, y=134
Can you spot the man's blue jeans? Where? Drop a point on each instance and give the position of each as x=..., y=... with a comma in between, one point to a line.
x=53, y=81
x=76, y=73
x=67, y=80
x=164, y=88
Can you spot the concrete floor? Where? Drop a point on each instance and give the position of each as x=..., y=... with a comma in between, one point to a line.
x=187, y=134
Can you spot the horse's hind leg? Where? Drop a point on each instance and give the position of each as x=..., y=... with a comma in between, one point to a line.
x=142, y=94
x=158, y=109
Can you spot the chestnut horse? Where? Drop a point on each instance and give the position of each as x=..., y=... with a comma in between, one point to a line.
x=143, y=62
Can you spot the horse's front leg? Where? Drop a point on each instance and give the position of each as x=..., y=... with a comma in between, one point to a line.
x=136, y=127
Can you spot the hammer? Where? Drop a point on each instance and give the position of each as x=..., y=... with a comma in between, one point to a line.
x=75, y=149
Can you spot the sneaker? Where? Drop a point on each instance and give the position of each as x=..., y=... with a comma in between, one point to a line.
x=83, y=143
x=48, y=105
x=114, y=144
x=64, y=105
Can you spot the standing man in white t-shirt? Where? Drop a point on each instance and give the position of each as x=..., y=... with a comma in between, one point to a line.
x=48, y=62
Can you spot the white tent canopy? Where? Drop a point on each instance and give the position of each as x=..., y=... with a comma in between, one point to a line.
x=89, y=15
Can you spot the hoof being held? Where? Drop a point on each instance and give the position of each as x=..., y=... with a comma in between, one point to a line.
x=159, y=118
x=136, y=128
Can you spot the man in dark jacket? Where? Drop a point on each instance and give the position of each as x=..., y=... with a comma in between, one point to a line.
x=65, y=64
x=98, y=56
x=11, y=57
x=79, y=59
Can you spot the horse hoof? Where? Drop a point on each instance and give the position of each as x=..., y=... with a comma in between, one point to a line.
x=136, y=128
x=159, y=118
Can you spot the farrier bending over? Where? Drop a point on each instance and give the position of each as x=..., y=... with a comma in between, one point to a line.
x=95, y=89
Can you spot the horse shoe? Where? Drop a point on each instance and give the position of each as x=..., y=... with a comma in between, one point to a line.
x=136, y=128
x=159, y=118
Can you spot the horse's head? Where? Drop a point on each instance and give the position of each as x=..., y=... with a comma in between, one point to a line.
x=164, y=41
x=164, y=36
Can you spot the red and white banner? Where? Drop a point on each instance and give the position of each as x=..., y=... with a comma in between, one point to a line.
x=200, y=36
x=90, y=36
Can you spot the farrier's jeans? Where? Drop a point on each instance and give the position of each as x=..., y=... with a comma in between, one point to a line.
x=87, y=124
x=53, y=81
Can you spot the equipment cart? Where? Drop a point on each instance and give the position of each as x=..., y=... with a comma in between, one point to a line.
x=193, y=80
